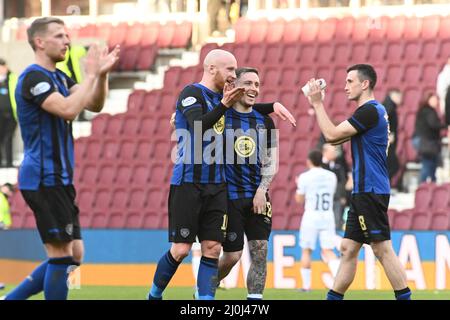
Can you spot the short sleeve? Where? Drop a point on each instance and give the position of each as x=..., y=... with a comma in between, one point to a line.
x=70, y=81
x=365, y=118
x=301, y=185
x=36, y=87
x=190, y=100
x=271, y=133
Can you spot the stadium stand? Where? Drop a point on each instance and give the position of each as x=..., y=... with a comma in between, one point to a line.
x=124, y=168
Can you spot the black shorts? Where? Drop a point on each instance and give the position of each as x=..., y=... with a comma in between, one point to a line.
x=57, y=215
x=367, y=219
x=197, y=210
x=241, y=218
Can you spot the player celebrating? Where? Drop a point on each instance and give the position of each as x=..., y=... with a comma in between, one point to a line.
x=198, y=198
x=315, y=189
x=47, y=102
x=367, y=220
x=251, y=158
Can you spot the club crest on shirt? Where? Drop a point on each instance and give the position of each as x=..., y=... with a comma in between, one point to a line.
x=245, y=146
x=184, y=232
x=40, y=88
x=189, y=101
x=220, y=125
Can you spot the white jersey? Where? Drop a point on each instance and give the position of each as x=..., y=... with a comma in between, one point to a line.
x=318, y=185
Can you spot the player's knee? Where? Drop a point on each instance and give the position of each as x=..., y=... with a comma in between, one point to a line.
x=380, y=250
x=180, y=251
x=348, y=252
x=211, y=249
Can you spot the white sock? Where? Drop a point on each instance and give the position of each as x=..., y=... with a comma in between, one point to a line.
x=195, y=266
x=334, y=266
x=306, y=278
x=254, y=296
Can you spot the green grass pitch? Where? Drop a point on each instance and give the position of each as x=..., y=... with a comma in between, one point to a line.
x=185, y=293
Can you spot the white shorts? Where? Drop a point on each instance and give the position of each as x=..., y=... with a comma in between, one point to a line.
x=315, y=225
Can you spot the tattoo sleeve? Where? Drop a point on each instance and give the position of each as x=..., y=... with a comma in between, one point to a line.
x=256, y=277
x=268, y=168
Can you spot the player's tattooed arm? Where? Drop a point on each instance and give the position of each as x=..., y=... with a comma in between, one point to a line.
x=268, y=169
x=256, y=278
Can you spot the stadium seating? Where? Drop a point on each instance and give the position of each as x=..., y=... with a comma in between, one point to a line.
x=133, y=149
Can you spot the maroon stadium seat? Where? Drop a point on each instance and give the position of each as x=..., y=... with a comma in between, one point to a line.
x=129, y=57
x=103, y=31
x=279, y=222
x=360, y=51
x=80, y=148
x=288, y=77
x=396, y=26
x=151, y=101
x=85, y=199
x=118, y=35
x=430, y=27
x=107, y=173
x=275, y=31
x=412, y=73
x=430, y=73
x=412, y=50
x=413, y=28
x=377, y=51
x=440, y=221
x=114, y=125
x=151, y=220
x=308, y=53
x=378, y=27
x=141, y=174
x=440, y=199
x=124, y=174
x=147, y=57
x=89, y=171
x=157, y=198
x=102, y=199
x=133, y=220
x=134, y=35
x=147, y=126
x=430, y=50
x=402, y=220
x=150, y=34
x=100, y=219
x=294, y=222
x=99, y=124
x=310, y=30
x=127, y=149
x=171, y=77
x=394, y=51
x=342, y=51
x=130, y=125
x=394, y=75
x=182, y=36
x=116, y=220
x=423, y=196
x=421, y=220
x=111, y=147
x=243, y=28
x=301, y=148
x=325, y=53
x=258, y=31
x=444, y=30
x=361, y=29
x=135, y=101
x=166, y=34
x=327, y=29
x=159, y=173
x=270, y=78
x=161, y=149
x=138, y=198
x=292, y=30
x=119, y=198
x=144, y=149
x=344, y=28
x=256, y=55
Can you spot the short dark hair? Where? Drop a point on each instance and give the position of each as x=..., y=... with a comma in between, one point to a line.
x=2, y=62
x=9, y=186
x=365, y=72
x=241, y=71
x=40, y=25
x=315, y=156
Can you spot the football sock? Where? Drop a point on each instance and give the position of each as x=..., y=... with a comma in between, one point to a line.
x=334, y=266
x=333, y=295
x=254, y=296
x=404, y=294
x=55, y=282
x=306, y=278
x=195, y=266
x=32, y=285
x=207, y=278
x=167, y=266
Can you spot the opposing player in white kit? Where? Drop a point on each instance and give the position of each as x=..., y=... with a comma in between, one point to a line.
x=315, y=189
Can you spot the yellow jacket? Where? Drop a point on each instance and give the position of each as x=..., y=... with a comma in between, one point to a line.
x=12, y=84
x=5, y=215
x=75, y=53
